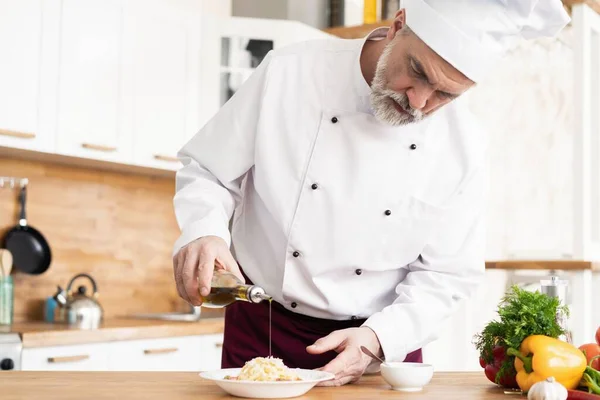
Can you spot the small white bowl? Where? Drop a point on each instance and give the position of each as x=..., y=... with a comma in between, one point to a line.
x=407, y=376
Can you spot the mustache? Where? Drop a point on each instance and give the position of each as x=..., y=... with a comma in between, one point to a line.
x=402, y=100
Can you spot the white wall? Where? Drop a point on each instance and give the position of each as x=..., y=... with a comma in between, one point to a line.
x=527, y=108
x=276, y=9
x=310, y=12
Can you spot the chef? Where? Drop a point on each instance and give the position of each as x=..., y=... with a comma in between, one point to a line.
x=353, y=178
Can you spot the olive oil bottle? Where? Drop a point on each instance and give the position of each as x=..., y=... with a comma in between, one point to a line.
x=225, y=288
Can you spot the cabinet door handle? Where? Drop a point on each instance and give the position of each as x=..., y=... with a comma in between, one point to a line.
x=21, y=135
x=99, y=147
x=163, y=157
x=218, y=345
x=161, y=351
x=67, y=359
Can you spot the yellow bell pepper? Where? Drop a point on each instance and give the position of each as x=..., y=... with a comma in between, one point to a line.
x=541, y=357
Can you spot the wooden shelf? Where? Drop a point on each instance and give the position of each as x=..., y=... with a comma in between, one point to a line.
x=593, y=4
x=356, y=32
x=360, y=31
x=565, y=265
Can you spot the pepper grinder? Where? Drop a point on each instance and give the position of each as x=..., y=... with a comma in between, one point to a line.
x=555, y=287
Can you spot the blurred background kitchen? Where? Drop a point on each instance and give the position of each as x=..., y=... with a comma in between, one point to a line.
x=97, y=96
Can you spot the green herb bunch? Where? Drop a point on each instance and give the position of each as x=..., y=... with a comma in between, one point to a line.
x=522, y=314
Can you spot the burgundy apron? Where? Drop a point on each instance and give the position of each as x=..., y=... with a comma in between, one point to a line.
x=246, y=335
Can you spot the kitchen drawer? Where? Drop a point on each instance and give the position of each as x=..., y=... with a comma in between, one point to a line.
x=164, y=354
x=210, y=352
x=89, y=357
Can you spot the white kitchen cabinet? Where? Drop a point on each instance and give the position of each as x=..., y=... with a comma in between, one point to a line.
x=210, y=353
x=182, y=353
x=233, y=48
x=165, y=354
x=129, y=80
x=90, y=108
x=88, y=357
x=28, y=31
x=161, y=81
x=122, y=82
x=188, y=353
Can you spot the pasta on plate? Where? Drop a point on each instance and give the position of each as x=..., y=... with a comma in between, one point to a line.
x=265, y=369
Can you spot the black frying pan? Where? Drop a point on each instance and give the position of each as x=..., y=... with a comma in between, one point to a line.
x=30, y=250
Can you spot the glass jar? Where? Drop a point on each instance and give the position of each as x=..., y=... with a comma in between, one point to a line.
x=6, y=300
x=555, y=287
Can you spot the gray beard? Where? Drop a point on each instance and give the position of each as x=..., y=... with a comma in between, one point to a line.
x=382, y=99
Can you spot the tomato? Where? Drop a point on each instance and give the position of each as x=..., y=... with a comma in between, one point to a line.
x=598, y=335
x=592, y=350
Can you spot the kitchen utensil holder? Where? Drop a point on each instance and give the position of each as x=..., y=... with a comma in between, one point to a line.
x=10, y=182
x=6, y=300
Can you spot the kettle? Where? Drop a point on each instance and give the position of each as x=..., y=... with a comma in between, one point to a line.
x=78, y=309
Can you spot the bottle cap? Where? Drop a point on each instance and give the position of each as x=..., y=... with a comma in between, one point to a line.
x=256, y=294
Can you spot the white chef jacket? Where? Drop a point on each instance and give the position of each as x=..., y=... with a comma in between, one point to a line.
x=338, y=215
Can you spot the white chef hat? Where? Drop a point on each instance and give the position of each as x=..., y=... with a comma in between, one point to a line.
x=473, y=35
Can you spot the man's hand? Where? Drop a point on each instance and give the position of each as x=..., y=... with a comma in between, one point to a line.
x=194, y=264
x=351, y=362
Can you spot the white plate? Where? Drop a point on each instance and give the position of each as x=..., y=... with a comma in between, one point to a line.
x=267, y=390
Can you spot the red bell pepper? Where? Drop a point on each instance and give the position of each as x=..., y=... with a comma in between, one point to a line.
x=581, y=395
x=509, y=379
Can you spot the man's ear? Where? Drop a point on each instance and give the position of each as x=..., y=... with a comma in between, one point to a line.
x=397, y=24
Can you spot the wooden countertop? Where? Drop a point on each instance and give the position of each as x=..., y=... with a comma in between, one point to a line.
x=40, y=334
x=183, y=386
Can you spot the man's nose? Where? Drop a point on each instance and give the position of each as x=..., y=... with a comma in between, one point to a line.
x=417, y=97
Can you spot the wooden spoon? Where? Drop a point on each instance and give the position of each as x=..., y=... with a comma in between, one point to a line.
x=6, y=262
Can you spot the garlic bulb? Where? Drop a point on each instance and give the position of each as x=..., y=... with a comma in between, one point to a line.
x=547, y=390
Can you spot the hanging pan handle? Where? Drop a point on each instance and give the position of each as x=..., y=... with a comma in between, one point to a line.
x=22, y=201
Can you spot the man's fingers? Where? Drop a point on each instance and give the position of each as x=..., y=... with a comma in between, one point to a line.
x=336, y=366
x=231, y=265
x=205, y=274
x=346, y=367
x=188, y=276
x=330, y=342
x=344, y=363
x=339, y=381
x=350, y=363
x=177, y=272
x=194, y=264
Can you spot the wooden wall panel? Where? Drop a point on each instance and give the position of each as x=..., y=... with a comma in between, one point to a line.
x=119, y=228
